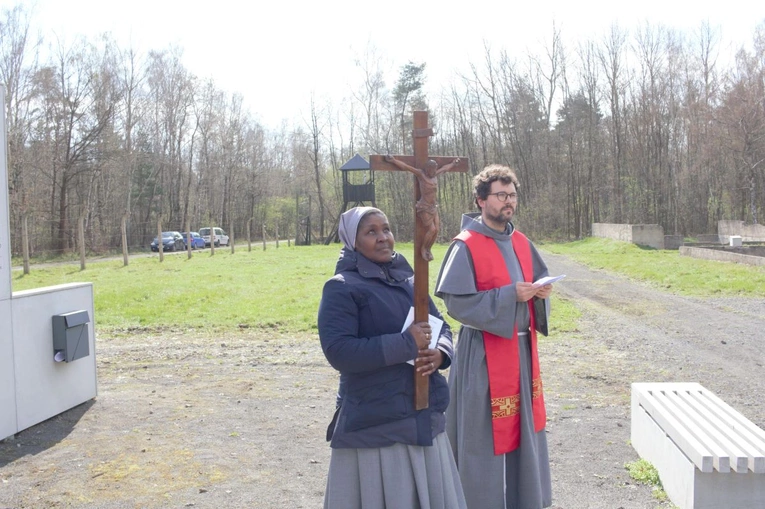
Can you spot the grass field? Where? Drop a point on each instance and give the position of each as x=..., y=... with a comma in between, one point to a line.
x=667, y=269
x=275, y=288
x=281, y=288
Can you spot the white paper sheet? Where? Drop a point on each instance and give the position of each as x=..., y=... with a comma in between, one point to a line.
x=548, y=280
x=435, y=327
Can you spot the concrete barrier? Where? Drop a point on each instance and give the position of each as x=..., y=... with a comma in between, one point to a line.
x=708, y=238
x=721, y=256
x=673, y=241
x=649, y=235
x=748, y=232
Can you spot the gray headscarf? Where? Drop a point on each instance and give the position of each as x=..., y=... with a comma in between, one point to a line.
x=349, y=224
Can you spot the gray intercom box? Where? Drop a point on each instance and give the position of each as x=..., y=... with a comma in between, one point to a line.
x=70, y=336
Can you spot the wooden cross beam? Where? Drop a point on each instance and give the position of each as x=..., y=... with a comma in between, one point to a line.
x=425, y=170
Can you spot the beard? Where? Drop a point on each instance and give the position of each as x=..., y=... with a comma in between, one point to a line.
x=502, y=217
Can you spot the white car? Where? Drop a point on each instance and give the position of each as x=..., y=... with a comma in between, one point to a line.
x=220, y=237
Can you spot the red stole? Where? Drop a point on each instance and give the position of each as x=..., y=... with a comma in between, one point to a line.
x=502, y=354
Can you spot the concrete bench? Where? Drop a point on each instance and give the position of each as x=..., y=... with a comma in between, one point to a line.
x=707, y=454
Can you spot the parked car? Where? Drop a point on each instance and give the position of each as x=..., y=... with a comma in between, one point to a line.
x=171, y=241
x=196, y=240
x=220, y=237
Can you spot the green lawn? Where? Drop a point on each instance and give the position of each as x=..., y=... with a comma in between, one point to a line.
x=276, y=288
x=666, y=269
x=280, y=288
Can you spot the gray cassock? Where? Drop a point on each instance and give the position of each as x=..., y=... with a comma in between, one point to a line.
x=521, y=478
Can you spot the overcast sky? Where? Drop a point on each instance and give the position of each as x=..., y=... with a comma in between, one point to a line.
x=276, y=53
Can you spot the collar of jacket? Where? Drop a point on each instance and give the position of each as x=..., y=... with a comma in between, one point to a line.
x=472, y=221
x=396, y=271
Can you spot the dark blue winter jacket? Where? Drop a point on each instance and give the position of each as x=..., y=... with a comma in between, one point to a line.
x=362, y=311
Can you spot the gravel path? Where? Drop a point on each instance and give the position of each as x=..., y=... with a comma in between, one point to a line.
x=631, y=332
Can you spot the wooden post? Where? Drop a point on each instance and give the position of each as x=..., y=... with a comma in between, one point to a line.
x=263, y=230
x=308, y=224
x=212, y=241
x=249, y=235
x=189, y=238
x=418, y=163
x=25, y=242
x=231, y=238
x=277, y=234
x=81, y=240
x=297, y=219
x=160, y=246
x=123, y=227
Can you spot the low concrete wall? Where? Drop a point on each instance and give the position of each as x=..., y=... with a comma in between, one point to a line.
x=673, y=241
x=43, y=387
x=708, y=238
x=651, y=235
x=721, y=256
x=612, y=231
x=748, y=232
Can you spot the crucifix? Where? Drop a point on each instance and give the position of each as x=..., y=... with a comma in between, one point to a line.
x=425, y=170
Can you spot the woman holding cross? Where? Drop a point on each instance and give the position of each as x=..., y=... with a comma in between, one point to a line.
x=384, y=452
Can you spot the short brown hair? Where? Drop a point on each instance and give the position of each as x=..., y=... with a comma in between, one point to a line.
x=482, y=182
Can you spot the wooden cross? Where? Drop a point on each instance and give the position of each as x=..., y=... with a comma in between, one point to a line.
x=425, y=219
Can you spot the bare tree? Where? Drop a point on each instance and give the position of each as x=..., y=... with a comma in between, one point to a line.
x=702, y=204
x=371, y=96
x=743, y=113
x=315, y=131
x=612, y=60
x=129, y=113
x=76, y=108
x=18, y=66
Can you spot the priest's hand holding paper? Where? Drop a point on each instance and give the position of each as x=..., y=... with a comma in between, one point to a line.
x=525, y=291
x=543, y=292
x=544, y=286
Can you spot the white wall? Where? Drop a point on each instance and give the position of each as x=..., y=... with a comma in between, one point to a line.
x=45, y=388
x=5, y=234
x=7, y=373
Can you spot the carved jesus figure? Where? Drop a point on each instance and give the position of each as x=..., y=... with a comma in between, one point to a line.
x=426, y=206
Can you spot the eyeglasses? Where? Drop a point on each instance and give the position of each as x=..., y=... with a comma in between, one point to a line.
x=503, y=196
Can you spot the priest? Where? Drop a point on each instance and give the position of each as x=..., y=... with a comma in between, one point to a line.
x=496, y=418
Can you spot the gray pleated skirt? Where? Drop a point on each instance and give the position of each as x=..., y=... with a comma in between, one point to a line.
x=395, y=477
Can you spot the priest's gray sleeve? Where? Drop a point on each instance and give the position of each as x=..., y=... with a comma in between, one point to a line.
x=491, y=310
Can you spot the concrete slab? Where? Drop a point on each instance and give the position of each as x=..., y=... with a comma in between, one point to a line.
x=708, y=455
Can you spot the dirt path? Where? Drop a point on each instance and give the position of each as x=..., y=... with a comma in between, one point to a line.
x=191, y=420
x=634, y=333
